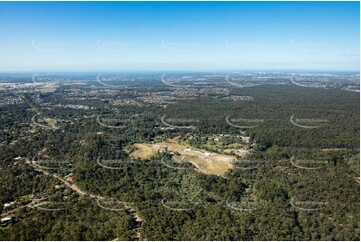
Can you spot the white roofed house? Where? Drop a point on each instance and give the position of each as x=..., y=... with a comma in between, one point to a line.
x=5, y=221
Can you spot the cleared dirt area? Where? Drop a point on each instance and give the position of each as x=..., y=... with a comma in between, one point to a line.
x=143, y=151
x=51, y=122
x=205, y=161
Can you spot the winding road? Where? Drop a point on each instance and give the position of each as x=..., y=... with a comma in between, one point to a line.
x=131, y=210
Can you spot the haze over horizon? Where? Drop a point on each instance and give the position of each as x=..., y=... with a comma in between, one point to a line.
x=177, y=36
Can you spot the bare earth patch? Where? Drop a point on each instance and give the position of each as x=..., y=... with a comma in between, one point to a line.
x=204, y=161
x=51, y=122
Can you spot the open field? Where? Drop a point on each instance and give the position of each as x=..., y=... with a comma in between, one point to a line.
x=51, y=122
x=206, y=162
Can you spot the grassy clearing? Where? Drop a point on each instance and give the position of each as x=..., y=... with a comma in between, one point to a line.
x=51, y=122
x=204, y=161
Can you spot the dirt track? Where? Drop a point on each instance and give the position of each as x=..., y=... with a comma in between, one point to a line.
x=131, y=210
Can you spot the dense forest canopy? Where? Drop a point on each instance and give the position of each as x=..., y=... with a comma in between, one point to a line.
x=301, y=181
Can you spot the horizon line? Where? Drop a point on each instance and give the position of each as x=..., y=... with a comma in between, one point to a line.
x=174, y=70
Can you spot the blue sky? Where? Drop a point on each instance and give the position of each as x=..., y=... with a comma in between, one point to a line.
x=179, y=36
